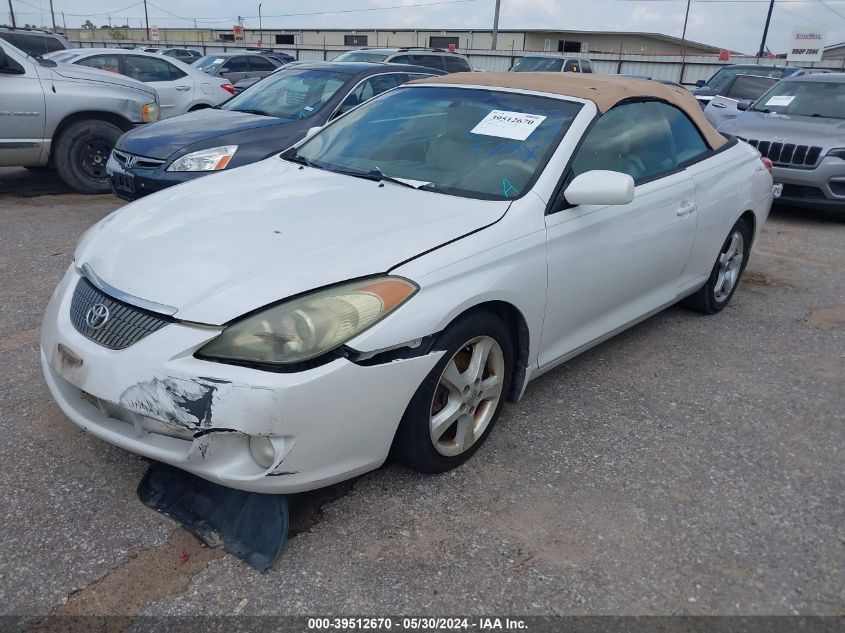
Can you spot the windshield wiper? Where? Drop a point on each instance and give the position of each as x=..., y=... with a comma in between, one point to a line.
x=250, y=111
x=376, y=175
x=293, y=157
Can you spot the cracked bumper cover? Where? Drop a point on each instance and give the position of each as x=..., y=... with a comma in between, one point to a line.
x=154, y=398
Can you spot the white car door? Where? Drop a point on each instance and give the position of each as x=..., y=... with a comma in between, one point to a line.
x=609, y=266
x=175, y=87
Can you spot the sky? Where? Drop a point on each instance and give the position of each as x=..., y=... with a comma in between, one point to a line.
x=733, y=24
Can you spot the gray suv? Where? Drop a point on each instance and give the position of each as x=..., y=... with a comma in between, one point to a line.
x=34, y=41
x=799, y=124
x=66, y=116
x=436, y=58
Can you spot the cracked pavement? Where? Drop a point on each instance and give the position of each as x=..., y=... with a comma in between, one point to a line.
x=691, y=465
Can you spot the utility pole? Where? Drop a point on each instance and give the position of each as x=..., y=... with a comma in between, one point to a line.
x=495, y=24
x=53, y=15
x=684, y=45
x=260, y=30
x=64, y=21
x=12, y=13
x=147, y=20
x=766, y=30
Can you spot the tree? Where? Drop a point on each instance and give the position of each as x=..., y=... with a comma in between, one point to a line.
x=88, y=24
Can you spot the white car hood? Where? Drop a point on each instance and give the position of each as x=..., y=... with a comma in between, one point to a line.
x=225, y=244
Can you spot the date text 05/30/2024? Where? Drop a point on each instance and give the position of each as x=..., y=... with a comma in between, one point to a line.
x=417, y=624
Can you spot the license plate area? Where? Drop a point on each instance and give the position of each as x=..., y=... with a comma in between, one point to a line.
x=123, y=182
x=777, y=189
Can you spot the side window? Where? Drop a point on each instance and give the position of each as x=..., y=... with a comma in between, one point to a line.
x=689, y=144
x=400, y=59
x=456, y=65
x=261, y=64
x=586, y=66
x=176, y=73
x=102, y=62
x=35, y=44
x=642, y=139
x=236, y=65
x=430, y=61
x=147, y=69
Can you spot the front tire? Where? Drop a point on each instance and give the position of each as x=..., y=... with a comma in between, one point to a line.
x=716, y=293
x=459, y=402
x=81, y=154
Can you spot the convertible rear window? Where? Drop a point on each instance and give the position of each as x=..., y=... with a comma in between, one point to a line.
x=468, y=142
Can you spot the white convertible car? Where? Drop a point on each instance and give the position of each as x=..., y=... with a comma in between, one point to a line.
x=386, y=285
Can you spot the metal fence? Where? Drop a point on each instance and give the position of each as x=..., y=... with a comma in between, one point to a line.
x=683, y=69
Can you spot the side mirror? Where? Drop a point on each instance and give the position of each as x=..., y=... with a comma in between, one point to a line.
x=3, y=59
x=743, y=105
x=9, y=66
x=700, y=83
x=600, y=187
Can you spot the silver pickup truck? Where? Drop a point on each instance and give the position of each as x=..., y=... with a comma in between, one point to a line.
x=66, y=117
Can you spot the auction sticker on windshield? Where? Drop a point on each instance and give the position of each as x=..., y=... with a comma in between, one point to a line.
x=782, y=100
x=504, y=124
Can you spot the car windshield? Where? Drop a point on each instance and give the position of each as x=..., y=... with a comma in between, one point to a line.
x=537, y=64
x=209, y=63
x=723, y=77
x=289, y=94
x=805, y=98
x=361, y=56
x=460, y=141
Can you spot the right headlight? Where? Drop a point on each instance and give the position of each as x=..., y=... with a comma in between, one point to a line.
x=212, y=159
x=309, y=326
x=837, y=153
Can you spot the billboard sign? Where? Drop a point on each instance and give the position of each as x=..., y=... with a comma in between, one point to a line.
x=806, y=45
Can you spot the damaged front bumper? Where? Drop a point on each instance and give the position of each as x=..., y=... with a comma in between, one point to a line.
x=154, y=398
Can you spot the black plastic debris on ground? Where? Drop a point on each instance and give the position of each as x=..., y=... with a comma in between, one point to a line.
x=249, y=525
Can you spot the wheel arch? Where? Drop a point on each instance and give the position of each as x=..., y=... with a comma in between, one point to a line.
x=750, y=219
x=520, y=337
x=85, y=115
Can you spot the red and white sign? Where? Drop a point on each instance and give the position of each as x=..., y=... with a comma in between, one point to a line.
x=154, y=35
x=238, y=30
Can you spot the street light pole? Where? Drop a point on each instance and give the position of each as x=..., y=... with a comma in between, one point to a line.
x=496, y=24
x=12, y=13
x=53, y=15
x=260, y=30
x=762, y=50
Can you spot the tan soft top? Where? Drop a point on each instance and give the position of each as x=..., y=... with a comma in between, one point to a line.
x=603, y=90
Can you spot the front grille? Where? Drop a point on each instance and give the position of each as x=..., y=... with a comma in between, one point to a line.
x=802, y=191
x=786, y=154
x=141, y=162
x=125, y=324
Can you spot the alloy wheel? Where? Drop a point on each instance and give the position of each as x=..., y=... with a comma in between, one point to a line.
x=730, y=267
x=467, y=396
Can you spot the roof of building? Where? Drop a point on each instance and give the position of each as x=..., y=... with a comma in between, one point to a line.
x=603, y=90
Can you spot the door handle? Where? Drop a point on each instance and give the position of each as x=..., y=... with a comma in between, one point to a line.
x=719, y=105
x=183, y=87
x=686, y=210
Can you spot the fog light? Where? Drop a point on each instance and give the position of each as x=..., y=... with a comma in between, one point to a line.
x=262, y=451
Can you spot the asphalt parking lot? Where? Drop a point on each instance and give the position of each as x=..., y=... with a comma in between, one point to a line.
x=691, y=465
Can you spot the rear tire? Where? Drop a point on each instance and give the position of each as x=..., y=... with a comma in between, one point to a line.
x=459, y=402
x=81, y=153
x=716, y=293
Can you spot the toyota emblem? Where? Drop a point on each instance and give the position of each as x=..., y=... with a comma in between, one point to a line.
x=97, y=316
